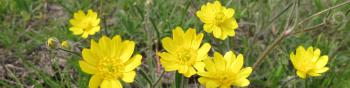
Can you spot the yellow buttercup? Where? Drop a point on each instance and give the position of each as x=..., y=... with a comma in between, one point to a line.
x=218, y=20
x=85, y=24
x=183, y=52
x=224, y=71
x=308, y=62
x=110, y=61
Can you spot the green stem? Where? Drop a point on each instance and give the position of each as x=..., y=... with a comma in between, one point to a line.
x=144, y=74
x=306, y=84
x=160, y=78
x=184, y=82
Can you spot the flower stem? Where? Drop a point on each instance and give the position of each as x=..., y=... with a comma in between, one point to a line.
x=306, y=84
x=72, y=52
x=184, y=82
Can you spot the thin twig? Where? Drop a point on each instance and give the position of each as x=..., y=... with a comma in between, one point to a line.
x=76, y=53
x=287, y=33
x=310, y=29
x=318, y=13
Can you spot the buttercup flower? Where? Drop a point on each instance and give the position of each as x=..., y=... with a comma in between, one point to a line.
x=308, y=62
x=110, y=61
x=85, y=24
x=218, y=19
x=224, y=71
x=184, y=53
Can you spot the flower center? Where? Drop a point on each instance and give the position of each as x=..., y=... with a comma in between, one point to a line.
x=111, y=68
x=87, y=25
x=187, y=56
x=226, y=79
x=305, y=67
x=219, y=16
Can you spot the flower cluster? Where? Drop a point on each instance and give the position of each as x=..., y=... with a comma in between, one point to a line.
x=112, y=62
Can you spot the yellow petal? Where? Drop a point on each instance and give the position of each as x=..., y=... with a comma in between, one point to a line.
x=85, y=35
x=95, y=81
x=133, y=63
x=191, y=71
x=76, y=31
x=103, y=43
x=314, y=74
x=319, y=70
x=88, y=68
x=228, y=58
x=112, y=83
x=241, y=82
x=128, y=49
x=229, y=27
x=78, y=15
x=89, y=57
x=300, y=54
x=293, y=60
x=223, y=36
x=219, y=62
x=203, y=51
x=237, y=63
x=229, y=13
x=169, y=66
x=73, y=22
x=197, y=41
x=212, y=84
x=208, y=28
x=209, y=65
x=168, y=61
x=301, y=74
x=217, y=32
x=116, y=46
x=183, y=70
x=96, y=22
x=178, y=35
x=94, y=30
x=96, y=49
x=199, y=66
x=207, y=74
x=203, y=80
x=168, y=44
x=92, y=14
x=316, y=55
x=322, y=61
x=244, y=73
x=129, y=77
x=189, y=37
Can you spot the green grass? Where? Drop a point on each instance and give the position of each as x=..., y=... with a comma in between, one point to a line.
x=25, y=26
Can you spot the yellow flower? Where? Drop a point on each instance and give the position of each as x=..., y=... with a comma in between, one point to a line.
x=184, y=52
x=224, y=71
x=309, y=62
x=218, y=19
x=52, y=42
x=65, y=44
x=110, y=61
x=85, y=24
